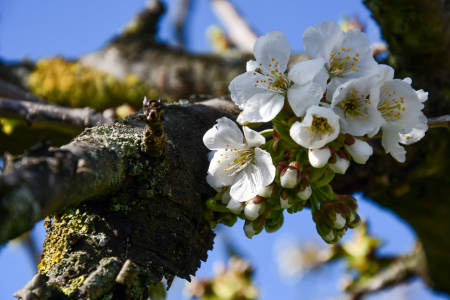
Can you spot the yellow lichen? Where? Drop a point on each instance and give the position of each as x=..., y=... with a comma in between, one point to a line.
x=72, y=285
x=72, y=84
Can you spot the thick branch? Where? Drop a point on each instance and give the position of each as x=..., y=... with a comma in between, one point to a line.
x=11, y=91
x=46, y=115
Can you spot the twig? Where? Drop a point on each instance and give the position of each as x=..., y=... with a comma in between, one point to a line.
x=59, y=117
x=399, y=271
x=11, y=91
x=239, y=30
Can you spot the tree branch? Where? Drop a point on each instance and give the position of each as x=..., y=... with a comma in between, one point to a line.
x=54, y=116
x=9, y=90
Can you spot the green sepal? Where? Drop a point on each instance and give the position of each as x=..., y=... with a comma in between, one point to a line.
x=325, y=179
x=316, y=173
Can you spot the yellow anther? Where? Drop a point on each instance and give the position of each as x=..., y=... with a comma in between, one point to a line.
x=355, y=59
x=357, y=54
x=218, y=161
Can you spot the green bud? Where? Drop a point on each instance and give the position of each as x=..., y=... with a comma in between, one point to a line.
x=356, y=222
x=332, y=215
x=336, y=240
x=210, y=203
x=274, y=224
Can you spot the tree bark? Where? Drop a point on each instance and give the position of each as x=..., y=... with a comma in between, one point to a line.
x=136, y=208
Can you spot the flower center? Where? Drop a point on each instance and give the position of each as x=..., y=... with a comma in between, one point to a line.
x=391, y=108
x=353, y=104
x=276, y=80
x=320, y=127
x=242, y=157
x=341, y=63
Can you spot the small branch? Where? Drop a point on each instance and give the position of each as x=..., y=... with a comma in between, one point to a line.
x=399, y=271
x=240, y=32
x=11, y=91
x=43, y=115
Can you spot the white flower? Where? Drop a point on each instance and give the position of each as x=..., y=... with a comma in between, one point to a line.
x=304, y=195
x=401, y=107
x=266, y=191
x=238, y=163
x=235, y=206
x=340, y=166
x=289, y=178
x=319, y=157
x=360, y=151
x=347, y=54
x=248, y=229
x=356, y=103
x=251, y=210
x=319, y=127
x=261, y=91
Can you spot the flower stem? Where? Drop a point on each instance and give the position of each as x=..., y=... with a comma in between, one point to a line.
x=267, y=133
x=220, y=207
x=314, y=203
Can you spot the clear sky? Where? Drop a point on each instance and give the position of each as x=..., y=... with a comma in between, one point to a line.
x=36, y=29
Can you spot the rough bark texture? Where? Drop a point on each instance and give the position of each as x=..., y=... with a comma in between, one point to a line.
x=147, y=210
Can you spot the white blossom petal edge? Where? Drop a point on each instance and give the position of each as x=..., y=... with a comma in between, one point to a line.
x=238, y=162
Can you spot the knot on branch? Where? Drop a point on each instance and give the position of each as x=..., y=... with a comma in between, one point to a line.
x=153, y=143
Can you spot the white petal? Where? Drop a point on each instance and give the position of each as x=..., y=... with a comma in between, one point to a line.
x=386, y=72
x=243, y=88
x=211, y=155
x=417, y=133
x=302, y=97
x=355, y=39
x=266, y=191
x=304, y=72
x=235, y=206
x=253, y=138
x=251, y=210
x=247, y=184
x=273, y=45
x=252, y=65
x=322, y=79
x=224, y=134
x=263, y=162
x=217, y=177
x=407, y=80
x=321, y=40
x=319, y=157
x=423, y=96
x=340, y=166
x=263, y=107
x=306, y=193
x=360, y=151
x=390, y=141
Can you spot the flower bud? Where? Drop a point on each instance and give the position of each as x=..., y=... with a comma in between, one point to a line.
x=325, y=231
x=235, y=206
x=226, y=197
x=349, y=140
x=340, y=166
x=267, y=191
x=360, y=151
x=286, y=198
x=273, y=224
x=289, y=177
x=349, y=201
x=280, y=167
x=356, y=222
x=305, y=194
x=248, y=229
x=319, y=157
x=336, y=239
x=332, y=215
x=342, y=231
x=253, y=207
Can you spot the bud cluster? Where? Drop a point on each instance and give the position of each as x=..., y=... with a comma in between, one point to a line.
x=335, y=217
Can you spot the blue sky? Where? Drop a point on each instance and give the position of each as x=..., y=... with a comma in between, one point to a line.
x=35, y=29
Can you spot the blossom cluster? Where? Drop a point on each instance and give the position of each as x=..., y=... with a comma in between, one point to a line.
x=322, y=110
